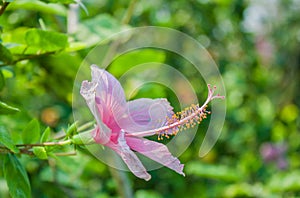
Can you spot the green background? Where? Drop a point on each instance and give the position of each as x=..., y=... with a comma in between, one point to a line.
x=256, y=46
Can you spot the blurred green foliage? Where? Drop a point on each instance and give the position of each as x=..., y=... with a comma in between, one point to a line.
x=255, y=44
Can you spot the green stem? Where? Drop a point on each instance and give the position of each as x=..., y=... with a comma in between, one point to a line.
x=25, y=148
x=123, y=183
x=129, y=12
x=27, y=57
x=66, y=153
x=22, y=151
x=62, y=143
x=85, y=126
x=83, y=138
x=79, y=139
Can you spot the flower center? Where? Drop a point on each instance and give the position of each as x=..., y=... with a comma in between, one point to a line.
x=188, y=118
x=185, y=119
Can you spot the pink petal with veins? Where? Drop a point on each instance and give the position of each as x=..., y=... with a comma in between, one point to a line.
x=155, y=151
x=110, y=97
x=145, y=114
x=88, y=92
x=129, y=157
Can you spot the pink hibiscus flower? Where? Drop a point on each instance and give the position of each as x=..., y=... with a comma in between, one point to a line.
x=123, y=125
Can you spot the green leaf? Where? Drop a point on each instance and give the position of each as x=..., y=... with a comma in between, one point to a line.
x=71, y=129
x=38, y=6
x=2, y=80
x=213, y=171
x=285, y=181
x=96, y=29
x=6, y=140
x=5, y=55
x=16, y=177
x=50, y=154
x=60, y=1
x=27, y=41
x=31, y=133
x=45, y=41
x=147, y=194
x=75, y=46
x=15, y=40
x=6, y=109
x=40, y=152
x=45, y=135
x=83, y=138
x=134, y=58
x=7, y=73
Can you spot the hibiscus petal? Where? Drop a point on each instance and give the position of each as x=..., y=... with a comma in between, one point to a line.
x=102, y=134
x=155, y=151
x=110, y=96
x=129, y=157
x=145, y=114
